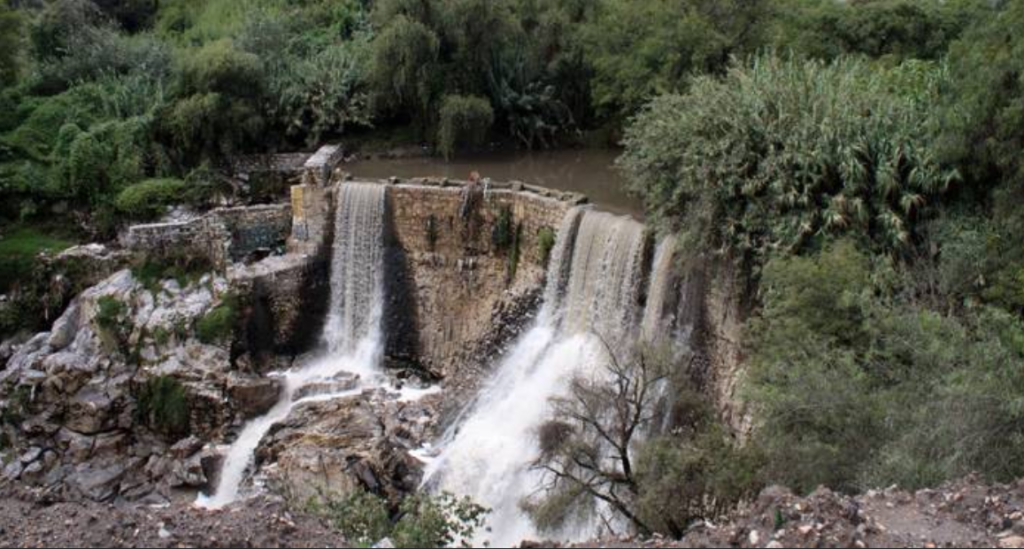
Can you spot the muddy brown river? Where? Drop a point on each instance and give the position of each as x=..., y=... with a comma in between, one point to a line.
x=591, y=172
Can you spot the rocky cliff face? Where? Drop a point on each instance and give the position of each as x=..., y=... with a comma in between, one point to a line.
x=119, y=397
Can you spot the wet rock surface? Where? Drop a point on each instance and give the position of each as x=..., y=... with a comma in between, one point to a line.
x=329, y=448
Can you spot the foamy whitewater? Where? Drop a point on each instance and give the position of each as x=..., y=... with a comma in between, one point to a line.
x=353, y=334
x=592, y=299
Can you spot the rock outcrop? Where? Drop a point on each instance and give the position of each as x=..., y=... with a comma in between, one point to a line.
x=328, y=449
x=114, y=401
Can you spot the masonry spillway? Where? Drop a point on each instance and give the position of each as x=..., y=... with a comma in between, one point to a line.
x=352, y=334
x=594, y=300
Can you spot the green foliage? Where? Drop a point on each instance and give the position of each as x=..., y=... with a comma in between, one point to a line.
x=16, y=406
x=220, y=67
x=184, y=267
x=983, y=115
x=132, y=15
x=219, y=324
x=682, y=479
x=73, y=41
x=437, y=521
x=403, y=70
x=11, y=45
x=326, y=93
x=642, y=49
x=545, y=243
x=18, y=252
x=856, y=389
x=162, y=404
x=784, y=153
x=149, y=199
x=894, y=29
x=503, y=233
x=110, y=314
x=463, y=121
x=421, y=521
x=362, y=517
x=515, y=252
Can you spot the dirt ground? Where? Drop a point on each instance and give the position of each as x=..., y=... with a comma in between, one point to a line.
x=28, y=520
x=962, y=514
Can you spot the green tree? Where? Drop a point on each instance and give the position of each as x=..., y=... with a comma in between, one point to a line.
x=463, y=121
x=404, y=69
x=11, y=46
x=642, y=49
x=897, y=29
x=984, y=114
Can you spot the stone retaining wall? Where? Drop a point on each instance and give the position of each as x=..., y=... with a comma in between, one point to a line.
x=223, y=235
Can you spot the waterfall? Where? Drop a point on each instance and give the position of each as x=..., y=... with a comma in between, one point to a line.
x=357, y=269
x=658, y=297
x=352, y=333
x=595, y=282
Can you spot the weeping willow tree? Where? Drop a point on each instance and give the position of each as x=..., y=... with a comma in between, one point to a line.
x=784, y=153
x=403, y=69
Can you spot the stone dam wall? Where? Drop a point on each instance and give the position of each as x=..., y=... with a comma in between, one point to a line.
x=455, y=297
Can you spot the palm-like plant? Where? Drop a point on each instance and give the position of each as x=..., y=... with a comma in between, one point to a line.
x=789, y=152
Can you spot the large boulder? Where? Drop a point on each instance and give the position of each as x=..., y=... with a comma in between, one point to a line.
x=253, y=397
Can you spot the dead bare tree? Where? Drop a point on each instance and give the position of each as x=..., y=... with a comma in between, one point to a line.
x=587, y=449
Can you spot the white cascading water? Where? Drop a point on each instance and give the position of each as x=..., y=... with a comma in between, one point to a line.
x=594, y=285
x=662, y=271
x=352, y=333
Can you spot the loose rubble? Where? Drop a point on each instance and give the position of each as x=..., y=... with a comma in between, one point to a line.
x=962, y=514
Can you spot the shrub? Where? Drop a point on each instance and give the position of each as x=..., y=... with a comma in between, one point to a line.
x=74, y=42
x=219, y=323
x=783, y=154
x=110, y=315
x=463, y=121
x=682, y=479
x=422, y=520
x=641, y=49
x=437, y=521
x=219, y=67
x=856, y=388
x=503, y=233
x=149, y=199
x=18, y=252
x=162, y=404
x=184, y=267
x=984, y=129
x=363, y=518
x=324, y=93
x=897, y=29
x=545, y=243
